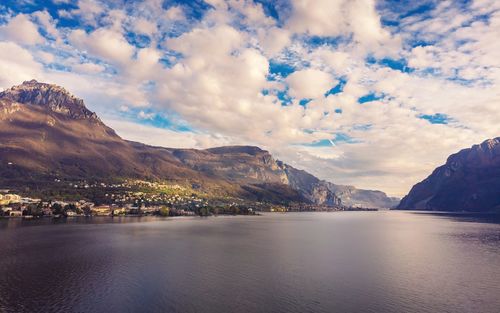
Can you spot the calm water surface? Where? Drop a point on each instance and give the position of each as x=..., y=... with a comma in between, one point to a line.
x=294, y=262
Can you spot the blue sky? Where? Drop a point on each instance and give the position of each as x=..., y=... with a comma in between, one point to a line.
x=337, y=87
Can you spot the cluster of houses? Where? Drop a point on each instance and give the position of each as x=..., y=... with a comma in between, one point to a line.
x=131, y=209
x=183, y=201
x=138, y=198
x=12, y=205
x=83, y=184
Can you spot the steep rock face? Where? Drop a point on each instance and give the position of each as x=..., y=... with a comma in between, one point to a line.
x=469, y=181
x=237, y=163
x=315, y=190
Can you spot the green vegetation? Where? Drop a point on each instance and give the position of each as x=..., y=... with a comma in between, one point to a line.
x=164, y=211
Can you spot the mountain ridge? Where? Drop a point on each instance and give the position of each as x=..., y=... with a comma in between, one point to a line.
x=47, y=132
x=468, y=181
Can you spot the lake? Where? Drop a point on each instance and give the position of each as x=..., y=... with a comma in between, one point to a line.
x=294, y=262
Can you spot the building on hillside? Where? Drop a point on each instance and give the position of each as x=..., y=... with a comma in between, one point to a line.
x=61, y=203
x=134, y=210
x=102, y=210
x=151, y=210
x=15, y=213
x=119, y=211
x=7, y=199
x=12, y=198
x=29, y=200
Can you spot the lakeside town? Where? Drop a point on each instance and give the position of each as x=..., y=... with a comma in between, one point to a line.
x=134, y=198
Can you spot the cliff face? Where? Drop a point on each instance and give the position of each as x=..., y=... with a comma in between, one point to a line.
x=317, y=191
x=469, y=181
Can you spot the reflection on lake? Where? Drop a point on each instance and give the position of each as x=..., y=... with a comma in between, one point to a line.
x=295, y=262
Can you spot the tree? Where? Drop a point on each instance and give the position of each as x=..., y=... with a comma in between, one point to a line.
x=203, y=211
x=34, y=209
x=164, y=211
x=57, y=208
x=87, y=210
x=71, y=207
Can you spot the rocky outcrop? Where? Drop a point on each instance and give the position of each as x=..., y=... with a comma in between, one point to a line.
x=315, y=190
x=469, y=181
x=237, y=163
x=53, y=97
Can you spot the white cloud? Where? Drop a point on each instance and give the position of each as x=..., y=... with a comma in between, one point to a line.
x=143, y=26
x=103, y=43
x=16, y=65
x=321, y=18
x=215, y=42
x=273, y=40
x=174, y=13
x=309, y=83
x=45, y=57
x=164, y=137
x=146, y=116
x=88, y=68
x=89, y=10
x=47, y=22
x=22, y=30
x=339, y=18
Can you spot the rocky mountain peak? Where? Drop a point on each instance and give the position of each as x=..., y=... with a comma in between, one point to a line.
x=480, y=155
x=491, y=146
x=50, y=96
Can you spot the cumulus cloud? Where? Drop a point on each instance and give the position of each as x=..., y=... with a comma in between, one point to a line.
x=309, y=83
x=103, y=43
x=88, y=68
x=22, y=30
x=88, y=11
x=335, y=18
x=273, y=40
x=16, y=65
x=143, y=26
x=47, y=22
x=174, y=13
x=164, y=137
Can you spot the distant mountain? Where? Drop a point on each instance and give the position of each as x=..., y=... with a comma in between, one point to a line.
x=354, y=197
x=469, y=181
x=47, y=133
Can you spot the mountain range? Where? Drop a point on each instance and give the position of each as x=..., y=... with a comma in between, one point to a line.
x=46, y=133
x=468, y=181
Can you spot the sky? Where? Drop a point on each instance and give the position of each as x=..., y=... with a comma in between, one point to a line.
x=374, y=94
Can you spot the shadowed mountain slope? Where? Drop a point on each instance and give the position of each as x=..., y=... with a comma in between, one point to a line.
x=469, y=181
